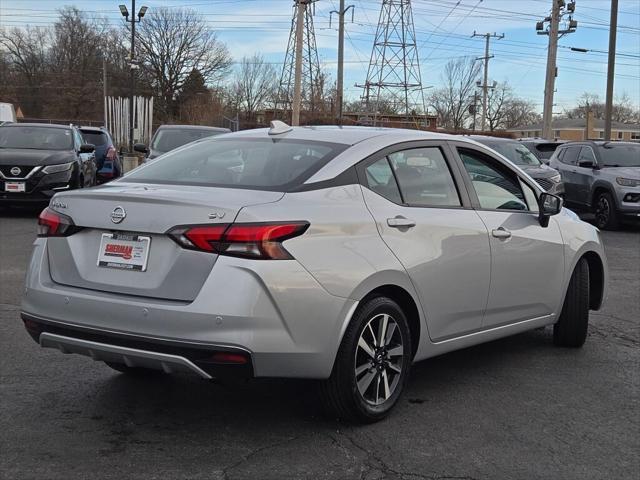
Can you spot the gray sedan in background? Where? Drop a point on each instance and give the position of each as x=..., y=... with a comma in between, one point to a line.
x=337, y=254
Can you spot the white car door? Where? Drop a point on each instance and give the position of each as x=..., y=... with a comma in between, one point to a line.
x=527, y=266
x=430, y=226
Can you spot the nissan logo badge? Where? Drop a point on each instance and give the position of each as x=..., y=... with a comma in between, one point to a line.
x=15, y=171
x=118, y=215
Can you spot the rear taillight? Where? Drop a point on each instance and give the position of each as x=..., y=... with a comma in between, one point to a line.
x=261, y=241
x=54, y=224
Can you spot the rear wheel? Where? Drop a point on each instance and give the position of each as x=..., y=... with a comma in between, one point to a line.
x=372, y=364
x=605, y=212
x=571, y=328
x=134, y=371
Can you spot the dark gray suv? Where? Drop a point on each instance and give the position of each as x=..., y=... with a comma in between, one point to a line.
x=602, y=177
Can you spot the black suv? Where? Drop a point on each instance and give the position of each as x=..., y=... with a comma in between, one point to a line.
x=37, y=160
x=602, y=177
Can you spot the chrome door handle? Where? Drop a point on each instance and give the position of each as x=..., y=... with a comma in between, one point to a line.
x=501, y=232
x=400, y=222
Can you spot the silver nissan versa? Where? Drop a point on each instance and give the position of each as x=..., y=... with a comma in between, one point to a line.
x=338, y=254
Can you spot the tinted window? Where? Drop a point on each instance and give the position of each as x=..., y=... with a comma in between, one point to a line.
x=263, y=164
x=586, y=155
x=620, y=155
x=95, y=138
x=497, y=188
x=167, y=139
x=380, y=179
x=36, y=138
x=515, y=152
x=424, y=177
x=570, y=156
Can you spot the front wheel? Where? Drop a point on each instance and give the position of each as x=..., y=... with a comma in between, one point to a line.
x=372, y=364
x=605, y=212
x=571, y=328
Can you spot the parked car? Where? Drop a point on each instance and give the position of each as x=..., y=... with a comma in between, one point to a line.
x=339, y=254
x=38, y=160
x=541, y=148
x=516, y=152
x=601, y=177
x=108, y=162
x=169, y=137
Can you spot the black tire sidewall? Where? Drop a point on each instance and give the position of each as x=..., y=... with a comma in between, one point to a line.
x=612, y=218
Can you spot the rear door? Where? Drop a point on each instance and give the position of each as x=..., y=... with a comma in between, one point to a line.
x=568, y=169
x=584, y=175
x=426, y=220
x=527, y=260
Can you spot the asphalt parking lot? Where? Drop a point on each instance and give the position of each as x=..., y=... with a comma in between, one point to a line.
x=514, y=408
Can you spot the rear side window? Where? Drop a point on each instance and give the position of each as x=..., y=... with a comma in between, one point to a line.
x=254, y=163
x=381, y=180
x=570, y=156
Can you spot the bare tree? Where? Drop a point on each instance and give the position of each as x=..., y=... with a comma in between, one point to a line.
x=520, y=112
x=254, y=85
x=27, y=53
x=174, y=42
x=451, y=102
x=623, y=110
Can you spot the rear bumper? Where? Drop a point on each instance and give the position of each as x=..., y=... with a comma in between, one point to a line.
x=276, y=312
x=136, y=351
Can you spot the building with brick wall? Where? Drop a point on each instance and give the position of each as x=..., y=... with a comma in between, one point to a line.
x=580, y=129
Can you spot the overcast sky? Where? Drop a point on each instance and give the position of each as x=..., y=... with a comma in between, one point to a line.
x=443, y=31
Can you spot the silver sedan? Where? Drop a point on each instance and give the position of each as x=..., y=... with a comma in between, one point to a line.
x=337, y=254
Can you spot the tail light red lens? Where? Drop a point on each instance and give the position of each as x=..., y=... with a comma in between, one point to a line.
x=261, y=241
x=54, y=224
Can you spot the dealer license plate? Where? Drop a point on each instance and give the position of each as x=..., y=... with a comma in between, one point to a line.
x=124, y=251
x=15, y=187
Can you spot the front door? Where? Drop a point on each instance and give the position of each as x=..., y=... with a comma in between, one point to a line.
x=429, y=225
x=527, y=267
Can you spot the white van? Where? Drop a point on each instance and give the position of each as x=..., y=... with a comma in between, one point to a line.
x=7, y=113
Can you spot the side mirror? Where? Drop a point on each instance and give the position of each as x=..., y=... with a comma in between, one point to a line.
x=87, y=148
x=141, y=148
x=586, y=164
x=549, y=205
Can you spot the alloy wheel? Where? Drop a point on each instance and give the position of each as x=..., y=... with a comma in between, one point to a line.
x=379, y=359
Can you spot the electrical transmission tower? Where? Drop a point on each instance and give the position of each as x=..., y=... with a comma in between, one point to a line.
x=393, y=79
x=300, y=61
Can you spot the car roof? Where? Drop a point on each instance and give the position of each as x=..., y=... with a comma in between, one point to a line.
x=350, y=135
x=43, y=125
x=538, y=141
x=193, y=127
x=92, y=129
x=488, y=138
x=598, y=143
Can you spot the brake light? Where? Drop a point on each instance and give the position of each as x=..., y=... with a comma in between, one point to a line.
x=54, y=224
x=261, y=241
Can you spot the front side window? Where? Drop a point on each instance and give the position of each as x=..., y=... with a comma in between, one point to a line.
x=586, y=155
x=36, y=138
x=424, y=177
x=497, y=188
x=256, y=163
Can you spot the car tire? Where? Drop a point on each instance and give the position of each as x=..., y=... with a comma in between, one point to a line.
x=134, y=371
x=369, y=376
x=571, y=328
x=604, y=208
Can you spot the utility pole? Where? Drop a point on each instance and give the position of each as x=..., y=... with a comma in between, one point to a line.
x=339, y=87
x=301, y=6
x=608, y=108
x=558, y=9
x=132, y=65
x=485, y=84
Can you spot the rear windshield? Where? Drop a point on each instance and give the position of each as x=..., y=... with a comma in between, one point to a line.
x=167, y=139
x=516, y=152
x=260, y=164
x=36, y=138
x=95, y=138
x=620, y=155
